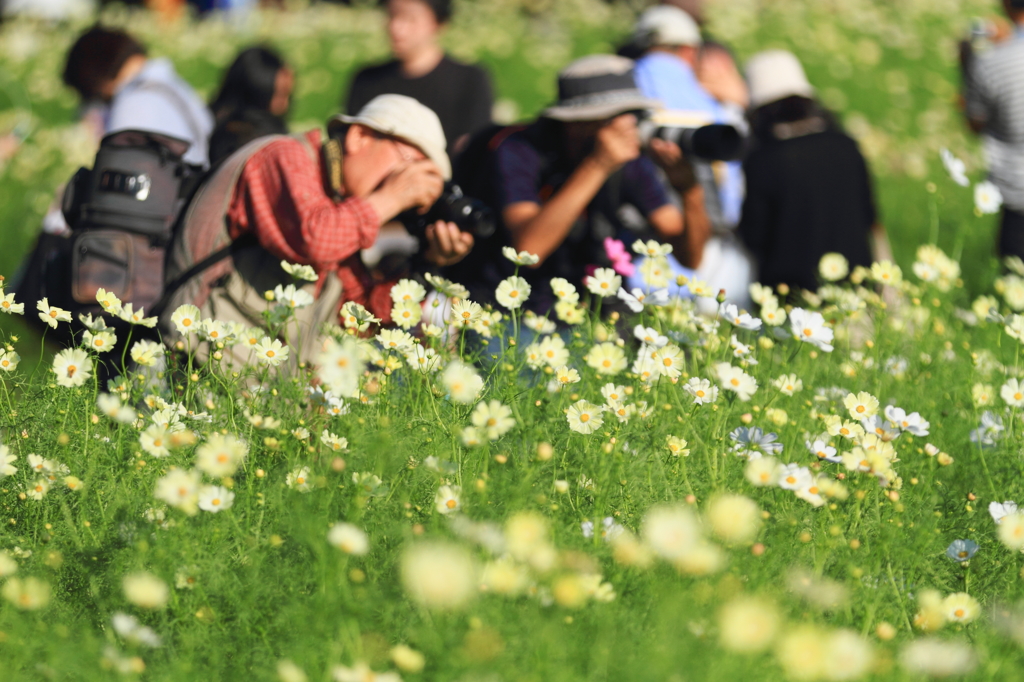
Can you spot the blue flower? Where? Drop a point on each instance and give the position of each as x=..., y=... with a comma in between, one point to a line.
x=962, y=550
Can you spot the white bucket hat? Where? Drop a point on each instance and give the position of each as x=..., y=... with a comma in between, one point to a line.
x=405, y=118
x=774, y=75
x=666, y=25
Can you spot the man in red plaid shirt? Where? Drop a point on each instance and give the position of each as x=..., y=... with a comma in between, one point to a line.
x=317, y=204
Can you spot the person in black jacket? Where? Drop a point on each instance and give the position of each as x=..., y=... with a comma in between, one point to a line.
x=252, y=102
x=460, y=94
x=808, y=186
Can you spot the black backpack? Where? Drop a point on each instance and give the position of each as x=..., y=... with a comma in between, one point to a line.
x=123, y=213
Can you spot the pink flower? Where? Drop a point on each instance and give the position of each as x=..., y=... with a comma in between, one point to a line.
x=620, y=258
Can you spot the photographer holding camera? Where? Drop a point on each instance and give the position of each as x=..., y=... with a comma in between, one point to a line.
x=671, y=48
x=994, y=106
x=292, y=198
x=557, y=185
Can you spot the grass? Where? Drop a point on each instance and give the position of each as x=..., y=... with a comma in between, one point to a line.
x=259, y=583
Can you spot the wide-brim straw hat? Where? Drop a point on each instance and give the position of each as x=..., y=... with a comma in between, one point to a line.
x=598, y=87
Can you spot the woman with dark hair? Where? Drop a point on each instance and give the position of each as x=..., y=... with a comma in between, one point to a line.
x=252, y=102
x=808, y=186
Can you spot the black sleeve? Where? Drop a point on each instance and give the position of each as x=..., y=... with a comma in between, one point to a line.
x=481, y=102
x=868, y=196
x=755, y=221
x=359, y=93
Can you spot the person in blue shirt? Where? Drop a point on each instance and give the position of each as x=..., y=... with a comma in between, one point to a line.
x=667, y=70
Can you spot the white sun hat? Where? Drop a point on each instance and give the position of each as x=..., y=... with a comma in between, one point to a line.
x=405, y=118
x=774, y=75
x=666, y=25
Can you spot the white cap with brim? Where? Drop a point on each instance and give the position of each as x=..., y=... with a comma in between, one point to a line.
x=776, y=74
x=666, y=26
x=406, y=119
x=598, y=87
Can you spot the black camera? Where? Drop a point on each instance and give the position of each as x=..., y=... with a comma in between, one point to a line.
x=715, y=142
x=469, y=214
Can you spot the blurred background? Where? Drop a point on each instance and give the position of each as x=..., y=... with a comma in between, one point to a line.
x=888, y=68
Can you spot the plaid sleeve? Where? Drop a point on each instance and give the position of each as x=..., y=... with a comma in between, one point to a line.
x=283, y=203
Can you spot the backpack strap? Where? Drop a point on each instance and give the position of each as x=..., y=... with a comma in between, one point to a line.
x=203, y=234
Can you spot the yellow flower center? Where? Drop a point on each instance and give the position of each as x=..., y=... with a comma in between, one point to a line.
x=959, y=613
x=606, y=363
x=962, y=554
x=808, y=331
x=215, y=502
x=700, y=394
x=300, y=480
x=222, y=457
x=861, y=409
x=451, y=504
x=270, y=353
x=791, y=479
x=186, y=322
x=584, y=417
x=71, y=371
x=53, y=314
x=97, y=342
x=734, y=381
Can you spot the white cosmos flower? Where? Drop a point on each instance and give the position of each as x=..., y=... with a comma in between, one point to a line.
x=833, y=267
x=111, y=406
x=998, y=510
x=735, y=317
x=293, y=298
x=584, y=417
x=702, y=390
x=604, y=282
x=462, y=382
x=180, y=489
x=955, y=167
x=564, y=290
x=408, y=290
x=72, y=367
x=448, y=499
x=132, y=316
x=987, y=198
x=736, y=380
x=7, y=304
x=520, y=258
x=214, y=498
x=512, y=292
x=299, y=271
x=349, y=539
x=794, y=477
x=809, y=327
x=185, y=319
x=271, y=351
x=493, y=419
x=636, y=299
x=649, y=336
x=51, y=314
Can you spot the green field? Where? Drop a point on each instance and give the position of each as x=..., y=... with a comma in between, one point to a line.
x=476, y=566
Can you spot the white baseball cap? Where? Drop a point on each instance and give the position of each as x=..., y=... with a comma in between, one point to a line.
x=665, y=25
x=774, y=75
x=405, y=118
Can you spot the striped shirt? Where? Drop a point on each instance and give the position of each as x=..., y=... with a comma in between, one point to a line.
x=995, y=95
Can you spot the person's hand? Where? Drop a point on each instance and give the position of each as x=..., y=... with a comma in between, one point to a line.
x=417, y=184
x=447, y=244
x=718, y=74
x=616, y=143
x=670, y=158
